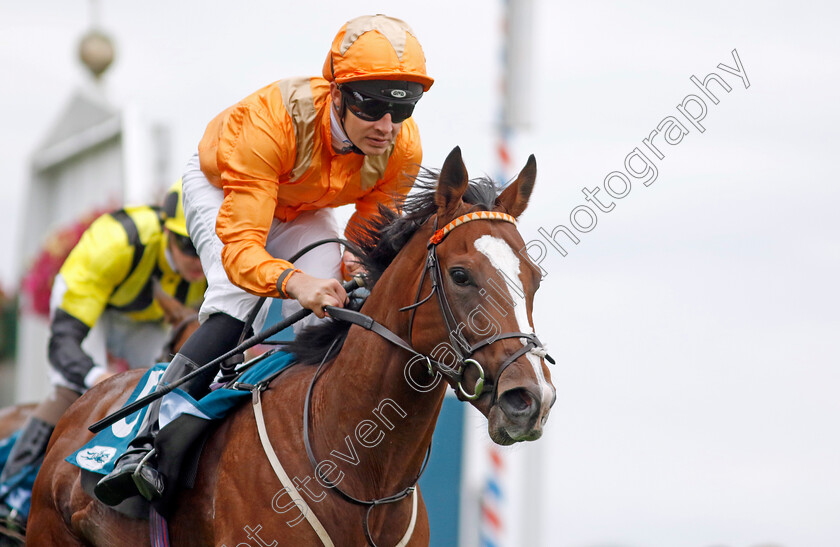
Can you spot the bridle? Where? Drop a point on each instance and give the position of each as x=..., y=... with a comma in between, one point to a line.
x=458, y=342
x=463, y=350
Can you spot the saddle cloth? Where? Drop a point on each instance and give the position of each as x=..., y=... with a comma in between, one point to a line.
x=16, y=491
x=183, y=423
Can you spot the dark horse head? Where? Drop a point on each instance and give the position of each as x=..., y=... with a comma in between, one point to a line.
x=450, y=276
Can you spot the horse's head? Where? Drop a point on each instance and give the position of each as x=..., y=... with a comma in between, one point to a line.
x=480, y=326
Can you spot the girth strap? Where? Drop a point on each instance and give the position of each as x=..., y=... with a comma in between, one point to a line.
x=410, y=531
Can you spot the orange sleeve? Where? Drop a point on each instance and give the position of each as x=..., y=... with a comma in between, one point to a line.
x=397, y=181
x=255, y=150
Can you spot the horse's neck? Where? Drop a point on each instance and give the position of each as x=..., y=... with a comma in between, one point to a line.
x=388, y=420
x=383, y=426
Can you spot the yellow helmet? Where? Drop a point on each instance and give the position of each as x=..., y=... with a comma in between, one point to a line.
x=173, y=210
x=376, y=47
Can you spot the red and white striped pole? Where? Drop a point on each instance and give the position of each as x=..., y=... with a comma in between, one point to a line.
x=493, y=500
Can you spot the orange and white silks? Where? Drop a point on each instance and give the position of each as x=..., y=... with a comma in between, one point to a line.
x=271, y=154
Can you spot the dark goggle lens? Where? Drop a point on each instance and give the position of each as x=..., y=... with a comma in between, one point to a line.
x=185, y=245
x=370, y=110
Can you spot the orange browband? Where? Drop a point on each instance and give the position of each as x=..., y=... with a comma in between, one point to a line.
x=480, y=215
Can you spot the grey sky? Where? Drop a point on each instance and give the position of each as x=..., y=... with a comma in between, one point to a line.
x=695, y=326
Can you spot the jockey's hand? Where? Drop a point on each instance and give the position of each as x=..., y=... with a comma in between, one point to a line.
x=352, y=266
x=314, y=293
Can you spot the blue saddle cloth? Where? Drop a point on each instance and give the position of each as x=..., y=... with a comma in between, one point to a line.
x=16, y=491
x=100, y=453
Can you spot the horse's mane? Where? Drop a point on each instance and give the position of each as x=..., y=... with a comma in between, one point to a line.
x=380, y=240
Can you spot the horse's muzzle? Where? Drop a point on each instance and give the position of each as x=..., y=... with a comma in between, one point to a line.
x=517, y=416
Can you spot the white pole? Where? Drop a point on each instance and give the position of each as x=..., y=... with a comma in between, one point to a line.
x=512, y=494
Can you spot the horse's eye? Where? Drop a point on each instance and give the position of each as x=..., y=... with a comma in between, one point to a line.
x=459, y=276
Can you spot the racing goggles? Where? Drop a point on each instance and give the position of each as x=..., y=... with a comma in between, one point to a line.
x=370, y=109
x=184, y=244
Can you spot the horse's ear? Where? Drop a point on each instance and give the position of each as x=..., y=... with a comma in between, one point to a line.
x=514, y=199
x=452, y=183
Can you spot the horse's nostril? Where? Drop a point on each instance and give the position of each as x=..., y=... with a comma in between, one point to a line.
x=516, y=401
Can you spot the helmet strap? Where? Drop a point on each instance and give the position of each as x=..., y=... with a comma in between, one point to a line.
x=342, y=111
x=167, y=253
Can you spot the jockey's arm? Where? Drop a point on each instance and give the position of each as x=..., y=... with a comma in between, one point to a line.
x=249, y=175
x=65, y=350
x=96, y=265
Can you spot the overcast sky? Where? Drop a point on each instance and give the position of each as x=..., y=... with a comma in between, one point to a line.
x=695, y=326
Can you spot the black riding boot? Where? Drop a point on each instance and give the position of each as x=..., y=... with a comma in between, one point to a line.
x=131, y=474
x=28, y=451
x=134, y=472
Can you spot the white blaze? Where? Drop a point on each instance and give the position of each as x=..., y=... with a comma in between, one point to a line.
x=503, y=258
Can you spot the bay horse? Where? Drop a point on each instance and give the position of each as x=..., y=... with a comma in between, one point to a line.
x=356, y=427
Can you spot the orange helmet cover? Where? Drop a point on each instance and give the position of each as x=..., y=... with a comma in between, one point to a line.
x=376, y=47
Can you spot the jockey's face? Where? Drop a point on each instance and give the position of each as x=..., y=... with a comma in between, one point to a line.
x=372, y=138
x=187, y=265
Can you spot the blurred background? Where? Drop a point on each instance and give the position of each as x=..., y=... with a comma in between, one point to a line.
x=694, y=325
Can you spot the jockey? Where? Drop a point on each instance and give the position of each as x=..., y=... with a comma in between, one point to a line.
x=101, y=305
x=267, y=174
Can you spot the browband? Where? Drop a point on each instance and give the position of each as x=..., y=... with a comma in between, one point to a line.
x=438, y=236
